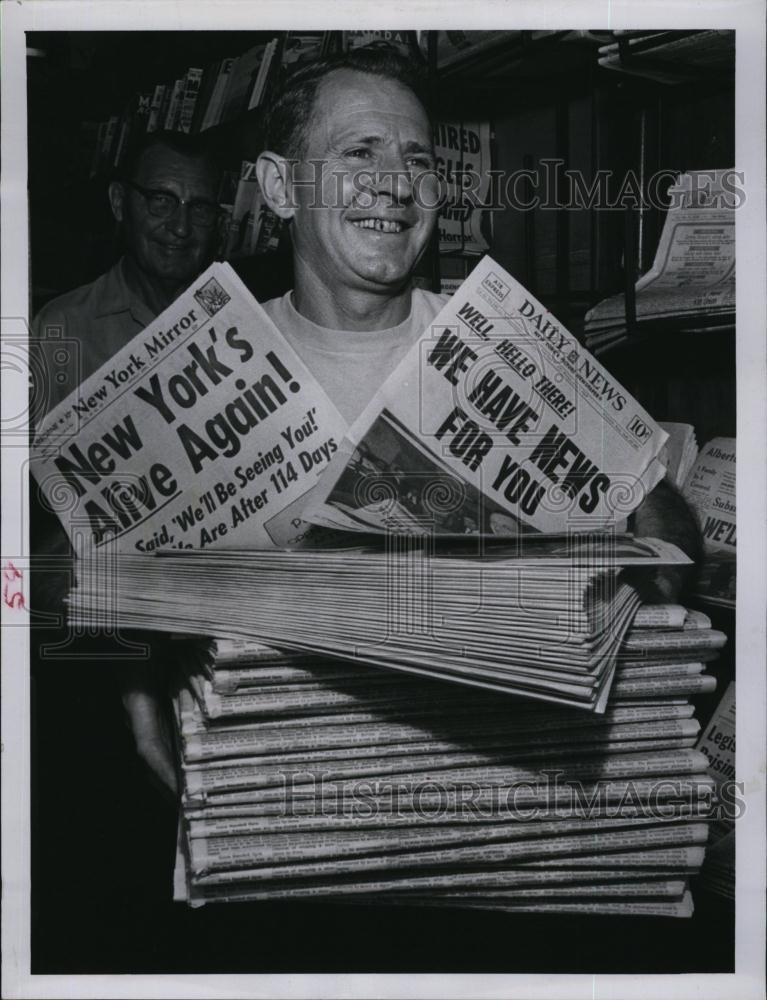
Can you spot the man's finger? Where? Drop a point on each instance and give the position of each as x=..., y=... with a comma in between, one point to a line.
x=152, y=743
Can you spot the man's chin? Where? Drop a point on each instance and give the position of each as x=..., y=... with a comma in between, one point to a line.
x=180, y=273
x=385, y=275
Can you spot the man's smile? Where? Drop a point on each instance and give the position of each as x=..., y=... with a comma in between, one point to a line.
x=380, y=223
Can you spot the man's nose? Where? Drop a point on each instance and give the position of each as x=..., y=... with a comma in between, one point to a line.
x=178, y=221
x=394, y=179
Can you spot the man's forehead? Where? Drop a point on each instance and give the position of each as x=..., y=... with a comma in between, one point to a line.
x=160, y=164
x=349, y=101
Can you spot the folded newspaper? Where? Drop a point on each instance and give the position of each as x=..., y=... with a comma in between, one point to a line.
x=496, y=421
x=691, y=284
x=207, y=430
x=537, y=616
x=198, y=433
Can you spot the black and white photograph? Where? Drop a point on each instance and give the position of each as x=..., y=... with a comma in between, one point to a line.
x=377, y=583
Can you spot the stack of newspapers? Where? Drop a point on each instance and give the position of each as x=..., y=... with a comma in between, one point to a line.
x=544, y=619
x=691, y=284
x=309, y=778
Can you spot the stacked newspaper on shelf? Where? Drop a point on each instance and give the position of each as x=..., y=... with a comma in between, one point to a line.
x=717, y=742
x=680, y=453
x=542, y=619
x=307, y=778
x=691, y=284
x=710, y=491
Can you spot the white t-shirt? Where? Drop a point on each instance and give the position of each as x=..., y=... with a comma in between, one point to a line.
x=351, y=365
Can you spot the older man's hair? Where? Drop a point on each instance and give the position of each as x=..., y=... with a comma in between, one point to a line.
x=289, y=112
x=194, y=147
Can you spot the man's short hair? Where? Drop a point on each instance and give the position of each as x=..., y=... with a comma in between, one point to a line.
x=289, y=111
x=195, y=147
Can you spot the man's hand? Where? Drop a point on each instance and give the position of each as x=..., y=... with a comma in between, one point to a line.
x=145, y=697
x=665, y=514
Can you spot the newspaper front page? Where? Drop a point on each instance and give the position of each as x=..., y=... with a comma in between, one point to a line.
x=710, y=489
x=496, y=421
x=694, y=266
x=202, y=429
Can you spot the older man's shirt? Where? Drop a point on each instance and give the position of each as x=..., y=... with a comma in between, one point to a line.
x=80, y=331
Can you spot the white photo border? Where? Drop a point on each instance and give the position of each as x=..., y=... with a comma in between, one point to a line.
x=747, y=17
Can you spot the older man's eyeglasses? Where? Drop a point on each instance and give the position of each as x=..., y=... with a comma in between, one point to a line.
x=165, y=204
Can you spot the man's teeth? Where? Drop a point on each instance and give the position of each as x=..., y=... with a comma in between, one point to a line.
x=382, y=225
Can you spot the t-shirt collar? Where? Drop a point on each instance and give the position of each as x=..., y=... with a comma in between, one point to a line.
x=345, y=342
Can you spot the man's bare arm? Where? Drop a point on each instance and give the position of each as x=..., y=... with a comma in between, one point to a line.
x=665, y=514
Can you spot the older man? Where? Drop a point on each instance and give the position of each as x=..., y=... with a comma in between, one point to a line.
x=165, y=200
x=350, y=165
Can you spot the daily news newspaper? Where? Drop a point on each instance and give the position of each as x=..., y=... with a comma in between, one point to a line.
x=207, y=430
x=497, y=421
x=201, y=431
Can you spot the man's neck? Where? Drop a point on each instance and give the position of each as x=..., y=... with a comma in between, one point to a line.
x=156, y=295
x=349, y=309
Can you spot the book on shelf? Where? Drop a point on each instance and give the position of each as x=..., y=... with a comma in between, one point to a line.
x=212, y=114
x=198, y=100
x=259, y=87
x=109, y=139
x=132, y=124
x=155, y=111
x=241, y=82
x=173, y=114
x=121, y=141
x=252, y=228
x=243, y=225
x=207, y=83
x=192, y=81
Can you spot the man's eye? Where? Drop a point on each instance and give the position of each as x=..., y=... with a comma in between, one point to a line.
x=420, y=162
x=358, y=153
x=162, y=202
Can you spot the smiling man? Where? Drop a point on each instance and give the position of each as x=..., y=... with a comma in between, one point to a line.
x=350, y=165
x=165, y=200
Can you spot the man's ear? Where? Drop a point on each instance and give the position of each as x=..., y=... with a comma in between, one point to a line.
x=117, y=200
x=274, y=174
